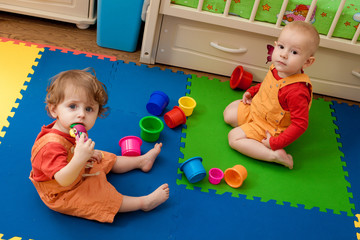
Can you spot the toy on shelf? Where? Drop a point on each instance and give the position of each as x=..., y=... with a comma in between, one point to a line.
x=175, y=117
x=193, y=169
x=151, y=128
x=215, y=175
x=157, y=103
x=240, y=78
x=187, y=104
x=235, y=176
x=130, y=146
x=76, y=129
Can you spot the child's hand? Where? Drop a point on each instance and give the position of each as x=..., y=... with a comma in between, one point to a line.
x=97, y=156
x=84, y=150
x=266, y=141
x=247, y=98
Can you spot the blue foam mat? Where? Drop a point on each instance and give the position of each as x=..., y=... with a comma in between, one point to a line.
x=347, y=120
x=129, y=86
x=188, y=214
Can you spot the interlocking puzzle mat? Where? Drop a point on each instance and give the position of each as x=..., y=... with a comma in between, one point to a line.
x=188, y=214
x=129, y=86
x=347, y=118
x=317, y=180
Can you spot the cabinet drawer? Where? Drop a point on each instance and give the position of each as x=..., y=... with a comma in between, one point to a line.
x=188, y=44
x=78, y=8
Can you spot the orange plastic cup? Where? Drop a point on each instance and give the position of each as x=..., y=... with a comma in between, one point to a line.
x=240, y=78
x=235, y=176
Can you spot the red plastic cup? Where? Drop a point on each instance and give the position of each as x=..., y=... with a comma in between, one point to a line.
x=175, y=117
x=240, y=78
x=130, y=146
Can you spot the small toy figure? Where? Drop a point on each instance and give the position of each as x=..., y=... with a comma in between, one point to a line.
x=76, y=129
x=270, y=49
x=299, y=13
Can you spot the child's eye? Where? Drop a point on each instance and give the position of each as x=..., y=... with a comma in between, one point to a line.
x=294, y=52
x=72, y=106
x=281, y=46
x=89, y=109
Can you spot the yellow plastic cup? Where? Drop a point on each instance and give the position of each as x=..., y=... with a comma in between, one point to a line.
x=187, y=104
x=235, y=176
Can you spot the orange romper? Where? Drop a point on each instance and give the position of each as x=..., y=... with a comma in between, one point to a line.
x=90, y=196
x=265, y=112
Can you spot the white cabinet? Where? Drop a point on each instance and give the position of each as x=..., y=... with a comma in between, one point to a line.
x=216, y=49
x=80, y=12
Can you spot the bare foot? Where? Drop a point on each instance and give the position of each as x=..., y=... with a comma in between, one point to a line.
x=154, y=199
x=283, y=158
x=149, y=157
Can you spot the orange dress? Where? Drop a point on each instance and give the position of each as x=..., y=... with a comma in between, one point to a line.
x=90, y=196
x=265, y=112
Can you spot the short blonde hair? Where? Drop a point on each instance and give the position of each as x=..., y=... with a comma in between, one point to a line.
x=82, y=79
x=309, y=29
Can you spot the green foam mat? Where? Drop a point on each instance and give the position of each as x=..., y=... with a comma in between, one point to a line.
x=317, y=180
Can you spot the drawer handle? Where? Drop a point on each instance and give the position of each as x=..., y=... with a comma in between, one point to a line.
x=229, y=50
x=356, y=74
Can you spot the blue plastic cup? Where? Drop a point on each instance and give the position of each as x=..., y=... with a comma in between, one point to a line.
x=157, y=103
x=193, y=169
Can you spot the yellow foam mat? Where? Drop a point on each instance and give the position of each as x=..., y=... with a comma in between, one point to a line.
x=16, y=61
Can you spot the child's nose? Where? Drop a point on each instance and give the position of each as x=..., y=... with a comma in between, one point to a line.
x=81, y=112
x=283, y=54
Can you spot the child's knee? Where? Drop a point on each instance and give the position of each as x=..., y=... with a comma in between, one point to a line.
x=230, y=117
x=234, y=135
x=226, y=116
x=231, y=113
x=231, y=139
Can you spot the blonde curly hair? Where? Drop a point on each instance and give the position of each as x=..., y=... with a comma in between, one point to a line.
x=78, y=79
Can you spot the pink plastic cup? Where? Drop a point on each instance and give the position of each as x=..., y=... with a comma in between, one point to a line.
x=240, y=78
x=175, y=117
x=215, y=175
x=130, y=146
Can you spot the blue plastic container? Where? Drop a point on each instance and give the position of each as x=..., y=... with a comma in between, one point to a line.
x=157, y=103
x=193, y=169
x=118, y=24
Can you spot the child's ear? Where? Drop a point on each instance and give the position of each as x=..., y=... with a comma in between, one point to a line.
x=52, y=110
x=309, y=62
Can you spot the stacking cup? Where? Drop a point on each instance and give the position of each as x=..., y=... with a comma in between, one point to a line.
x=193, y=169
x=235, y=176
x=187, y=104
x=130, y=146
x=215, y=175
x=151, y=128
x=240, y=78
x=157, y=103
x=175, y=117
